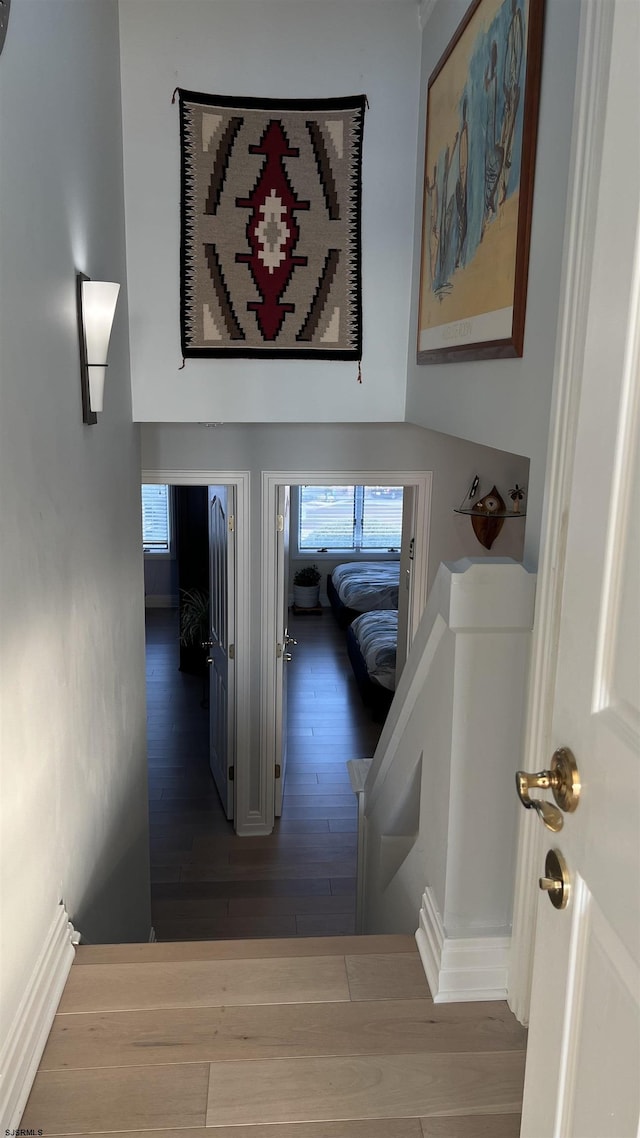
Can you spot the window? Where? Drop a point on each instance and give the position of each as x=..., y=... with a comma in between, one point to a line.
x=355, y=519
x=156, y=519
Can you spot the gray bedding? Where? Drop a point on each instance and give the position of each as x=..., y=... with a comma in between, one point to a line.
x=377, y=637
x=367, y=585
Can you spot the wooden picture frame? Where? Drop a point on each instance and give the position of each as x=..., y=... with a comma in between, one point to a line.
x=482, y=116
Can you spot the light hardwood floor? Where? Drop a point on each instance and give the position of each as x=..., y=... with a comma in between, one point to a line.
x=333, y=1037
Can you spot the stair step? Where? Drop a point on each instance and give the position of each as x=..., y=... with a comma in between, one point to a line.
x=242, y=1040
x=242, y=949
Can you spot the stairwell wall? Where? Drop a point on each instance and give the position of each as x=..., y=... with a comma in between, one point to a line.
x=73, y=812
x=271, y=49
x=506, y=403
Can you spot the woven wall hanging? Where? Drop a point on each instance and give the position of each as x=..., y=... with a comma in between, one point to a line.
x=270, y=261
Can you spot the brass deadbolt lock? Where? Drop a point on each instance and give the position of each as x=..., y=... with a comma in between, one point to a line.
x=556, y=881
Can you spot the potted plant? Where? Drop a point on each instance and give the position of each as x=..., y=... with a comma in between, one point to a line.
x=306, y=587
x=194, y=616
x=194, y=629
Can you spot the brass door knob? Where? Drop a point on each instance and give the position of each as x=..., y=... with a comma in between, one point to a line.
x=564, y=782
x=556, y=881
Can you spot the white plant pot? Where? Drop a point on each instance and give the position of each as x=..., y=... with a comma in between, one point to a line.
x=306, y=596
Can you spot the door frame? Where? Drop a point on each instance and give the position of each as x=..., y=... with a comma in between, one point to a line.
x=593, y=62
x=222, y=647
x=283, y=506
x=271, y=479
x=240, y=480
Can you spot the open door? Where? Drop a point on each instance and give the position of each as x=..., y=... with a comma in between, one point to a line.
x=407, y=582
x=284, y=641
x=584, y=1043
x=221, y=642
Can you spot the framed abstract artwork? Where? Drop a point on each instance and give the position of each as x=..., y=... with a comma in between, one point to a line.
x=482, y=113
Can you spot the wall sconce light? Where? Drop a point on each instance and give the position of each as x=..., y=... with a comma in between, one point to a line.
x=96, y=305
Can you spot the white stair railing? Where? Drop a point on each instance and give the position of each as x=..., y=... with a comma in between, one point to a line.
x=438, y=811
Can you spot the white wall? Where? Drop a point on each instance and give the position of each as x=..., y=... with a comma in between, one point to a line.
x=506, y=403
x=269, y=48
x=73, y=802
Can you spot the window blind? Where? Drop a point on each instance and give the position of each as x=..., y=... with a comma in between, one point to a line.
x=156, y=529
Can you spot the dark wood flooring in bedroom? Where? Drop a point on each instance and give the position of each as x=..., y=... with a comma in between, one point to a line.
x=207, y=883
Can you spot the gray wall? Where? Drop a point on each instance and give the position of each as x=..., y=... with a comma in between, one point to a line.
x=349, y=446
x=73, y=819
x=506, y=403
x=305, y=447
x=160, y=581
x=338, y=48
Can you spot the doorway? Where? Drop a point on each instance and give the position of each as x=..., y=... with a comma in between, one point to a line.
x=275, y=662
x=192, y=530
x=189, y=805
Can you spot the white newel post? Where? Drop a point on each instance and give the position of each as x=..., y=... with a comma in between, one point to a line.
x=440, y=808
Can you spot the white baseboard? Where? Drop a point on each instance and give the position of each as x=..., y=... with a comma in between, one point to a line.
x=25, y=1041
x=461, y=969
x=160, y=601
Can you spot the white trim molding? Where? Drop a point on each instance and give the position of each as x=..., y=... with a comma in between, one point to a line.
x=25, y=1040
x=594, y=52
x=358, y=769
x=460, y=970
x=241, y=480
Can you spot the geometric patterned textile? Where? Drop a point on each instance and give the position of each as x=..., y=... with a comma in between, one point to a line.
x=270, y=262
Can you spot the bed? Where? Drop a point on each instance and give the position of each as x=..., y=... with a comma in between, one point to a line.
x=356, y=587
x=372, y=640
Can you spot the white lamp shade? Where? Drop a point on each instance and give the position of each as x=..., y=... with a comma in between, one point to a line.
x=98, y=308
x=96, y=386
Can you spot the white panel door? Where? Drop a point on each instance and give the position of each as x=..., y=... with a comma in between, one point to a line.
x=583, y=1063
x=221, y=646
x=284, y=642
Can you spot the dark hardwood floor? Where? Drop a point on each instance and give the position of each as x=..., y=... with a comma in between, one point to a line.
x=207, y=883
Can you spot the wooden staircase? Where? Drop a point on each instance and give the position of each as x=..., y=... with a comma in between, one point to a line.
x=332, y=1037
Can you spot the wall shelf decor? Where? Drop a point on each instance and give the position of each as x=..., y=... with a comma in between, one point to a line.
x=489, y=513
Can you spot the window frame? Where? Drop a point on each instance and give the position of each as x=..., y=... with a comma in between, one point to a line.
x=353, y=552
x=161, y=554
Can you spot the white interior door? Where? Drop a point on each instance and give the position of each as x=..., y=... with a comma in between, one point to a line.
x=284, y=645
x=221, y=642
x=583, y=1062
